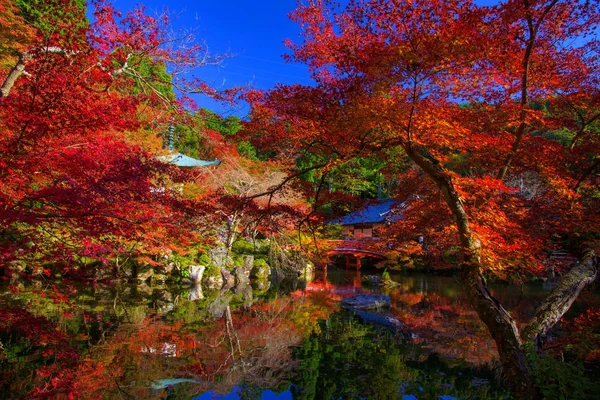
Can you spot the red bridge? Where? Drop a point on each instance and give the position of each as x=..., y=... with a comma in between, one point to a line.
x=355, y=250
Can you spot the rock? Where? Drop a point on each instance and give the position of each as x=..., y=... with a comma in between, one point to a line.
x=382, y=320
x=213, y=282
x=261, y=270
x=248, y=264
x=372, y=280
x=212, y=277
x=307, y=273
x=219, y=305
x=228, y=278
x=261, y=285
x=245, y=290
x=218, y=256
x=367, y=302
x=141, y=289
x=240, y=276
x=165, y=269
x=195, y=293
x=388, y=283
x=144, y=274
x=196, y=272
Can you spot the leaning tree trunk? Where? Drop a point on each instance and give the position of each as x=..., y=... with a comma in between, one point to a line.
x=498, y=321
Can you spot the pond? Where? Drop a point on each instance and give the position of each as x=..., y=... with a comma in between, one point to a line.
x=291, y=340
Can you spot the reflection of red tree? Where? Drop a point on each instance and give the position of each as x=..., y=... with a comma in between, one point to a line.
x=257, y=345
x=52, y=355
x=445, y=326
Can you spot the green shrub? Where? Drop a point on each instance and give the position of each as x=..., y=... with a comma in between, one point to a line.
x=243, y=247
x=557, y=379
x=204, y=259
x=385, y=275
x=333, y=231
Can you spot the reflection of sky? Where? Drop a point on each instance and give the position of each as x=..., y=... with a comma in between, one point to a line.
x=267, y=395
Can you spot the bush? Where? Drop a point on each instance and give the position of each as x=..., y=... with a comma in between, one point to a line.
x=333, y=232
x=557, y=379
x=204, y=259
x=243, y=247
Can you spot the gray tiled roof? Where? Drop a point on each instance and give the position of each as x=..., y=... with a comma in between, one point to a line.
x=374, y=211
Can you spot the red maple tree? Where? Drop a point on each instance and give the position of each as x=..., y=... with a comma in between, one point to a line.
x=477, y=98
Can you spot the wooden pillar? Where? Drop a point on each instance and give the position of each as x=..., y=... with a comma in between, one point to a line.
x=353, y=261
x=357, y=283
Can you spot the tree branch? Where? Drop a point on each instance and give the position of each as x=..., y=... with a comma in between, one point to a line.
x=286, y=180
x=562, y=297
x=12, y=77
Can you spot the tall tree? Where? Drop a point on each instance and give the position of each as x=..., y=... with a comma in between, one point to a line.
x=391, y=74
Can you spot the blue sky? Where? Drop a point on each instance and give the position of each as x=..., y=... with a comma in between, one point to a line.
x=251, y=31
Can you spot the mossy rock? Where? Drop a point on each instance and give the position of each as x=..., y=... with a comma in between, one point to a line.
x=251, y=247
x=212, y=277
x=238, y=261
x=143, y=274
x=260, y=269
x=243, y=247
x=261, y=286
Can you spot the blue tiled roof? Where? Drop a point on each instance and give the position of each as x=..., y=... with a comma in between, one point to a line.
x=181, y=160
x=375, y=211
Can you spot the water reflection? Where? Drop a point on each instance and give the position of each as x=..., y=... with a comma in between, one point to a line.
x=251, y=341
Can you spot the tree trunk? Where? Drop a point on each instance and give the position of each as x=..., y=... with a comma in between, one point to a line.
x=498, y=321
x=562, y=297
x=12, y=77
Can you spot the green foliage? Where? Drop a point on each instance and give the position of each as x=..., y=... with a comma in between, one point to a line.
x=182, y=261
x=212, y=271
x=152, y=74
x=225, y=126
x=361, y=176
x=204, y=259
x=259, y=263
x=243, y=247
x=257, y=248
x=189, y=141
x=247, y=150
x=44, y=14
x=559, y=379
x=194, y=313
x=333, y=231
x=385, y=275
x=238, y=260
x=354, y=360
x=260, y=269
x=562, y=136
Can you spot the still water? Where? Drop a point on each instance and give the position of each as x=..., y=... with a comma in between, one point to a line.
x=265, y=341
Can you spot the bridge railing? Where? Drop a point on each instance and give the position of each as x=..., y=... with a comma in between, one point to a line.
x=363, y=244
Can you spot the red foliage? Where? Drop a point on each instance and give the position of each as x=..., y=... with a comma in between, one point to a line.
x=54, y=377
x=393, y=75
x=71, y=180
